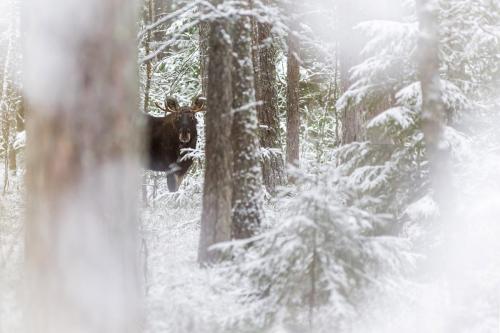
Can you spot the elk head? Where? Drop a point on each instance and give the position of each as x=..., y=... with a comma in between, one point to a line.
x=183, y=117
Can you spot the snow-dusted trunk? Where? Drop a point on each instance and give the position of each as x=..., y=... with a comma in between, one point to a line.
x=82, y=166
x=433, y=109
x=148, y=19
x=160, y=8
x=273, y=168
x=6, y=134
x=216, y=214
x=247, y=176
x=292, y=100
x=256, y=61
x=349, y=51
x=204, y=33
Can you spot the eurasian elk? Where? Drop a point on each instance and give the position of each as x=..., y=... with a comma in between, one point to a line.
x=167, y=136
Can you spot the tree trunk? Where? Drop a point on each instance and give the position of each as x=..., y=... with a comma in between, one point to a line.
x=82, y=167
x=160, y=8
x=273, y=168
x=256, y=64
x=6, y=146
x=204, y=33
x=349, y=52
x=20, y=115
x=148, y=18
x=247, y=175
x=433, y=109
x=12, y=159
x=216, y=215
x=292, y=100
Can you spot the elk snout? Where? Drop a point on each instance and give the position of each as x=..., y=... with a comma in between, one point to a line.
x=184, y=136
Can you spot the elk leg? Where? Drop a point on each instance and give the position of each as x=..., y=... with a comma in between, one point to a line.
x=172, y=183
x=179, y=177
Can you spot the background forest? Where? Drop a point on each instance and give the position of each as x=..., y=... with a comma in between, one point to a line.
x=345, y=176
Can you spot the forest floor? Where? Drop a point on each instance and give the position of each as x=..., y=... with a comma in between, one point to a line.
x=178, y=295
x=11, y=255
x=178, y=292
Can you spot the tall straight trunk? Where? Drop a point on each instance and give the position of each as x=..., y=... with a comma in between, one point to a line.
x=12, y=152
x=256, y=61
x=12, y=159
x=292, y=98
x=216, y=214
x=148, y=18
x=203, y=35
x=6, y=147
x=349, y=56
x=204, y=32
x=82, y=167
x=433, y=109
x=247, y=176
x=20, y=115
x=160, y=8
x=273, y=168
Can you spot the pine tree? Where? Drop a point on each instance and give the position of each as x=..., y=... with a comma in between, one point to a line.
x=203, y=35
x=319, y=256
x=395, y=157
x=247, y=176
x=216, y=214
x=273, y=168
x=349, y=51
x=293, y=79
x=159, y=9
x=433, y=115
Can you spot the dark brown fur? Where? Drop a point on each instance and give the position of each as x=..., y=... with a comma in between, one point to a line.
x=167, y=136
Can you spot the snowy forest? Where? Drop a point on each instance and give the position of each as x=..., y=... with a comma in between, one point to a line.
x=267, y=166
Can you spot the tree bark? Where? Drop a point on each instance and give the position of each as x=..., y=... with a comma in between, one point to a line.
x=82, y=167
x=349, y=54
x=204, y=33
x=20, y=115
x=160, y=8
x=6, y=146
x=247, y=176
x=273, y=168
x=216, y=215
x=148, y=18
x=12, y=158
x=256, y=63
x=433, y=109
x=292, y=100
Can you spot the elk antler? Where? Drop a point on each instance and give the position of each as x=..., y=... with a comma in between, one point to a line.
x=160, y=107
x=199, y=104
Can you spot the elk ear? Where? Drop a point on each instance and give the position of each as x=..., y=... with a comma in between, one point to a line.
x=171, y=104
x=199, y=104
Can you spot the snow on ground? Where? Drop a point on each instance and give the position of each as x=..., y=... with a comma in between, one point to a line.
x=178, y=294
x=175, y=285
x=11, y=255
